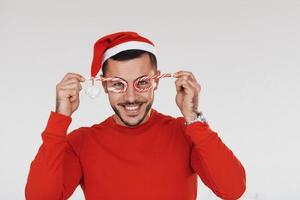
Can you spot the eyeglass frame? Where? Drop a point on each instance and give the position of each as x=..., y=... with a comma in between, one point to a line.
x=125, y=83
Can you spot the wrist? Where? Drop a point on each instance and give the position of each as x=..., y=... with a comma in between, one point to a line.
x=63, y=112
x=199, y=118
x=191, y=117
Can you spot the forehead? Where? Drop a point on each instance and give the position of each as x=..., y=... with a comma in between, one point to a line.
x=130, y=69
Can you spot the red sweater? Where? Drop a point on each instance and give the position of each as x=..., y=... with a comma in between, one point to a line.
x=157, y=160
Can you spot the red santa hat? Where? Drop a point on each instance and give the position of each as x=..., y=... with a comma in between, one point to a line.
x=113, y=44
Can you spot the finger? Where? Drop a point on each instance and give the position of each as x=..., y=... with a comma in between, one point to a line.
x=178, y=85
x=69, y=85
x=69, y=81
x=189, y=76
x=74, y=75
x=195, y=85
x=183, y=85
x=186, y=77
x=72, y=85
x=67, y=93
x=183, y=74
x=192, y=84
x=74, y=98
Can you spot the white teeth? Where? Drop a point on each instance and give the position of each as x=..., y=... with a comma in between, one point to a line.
x=131, y=107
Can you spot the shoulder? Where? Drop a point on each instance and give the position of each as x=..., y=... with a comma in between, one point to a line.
x=174, y=125
x=164, y=119
x=78, y=137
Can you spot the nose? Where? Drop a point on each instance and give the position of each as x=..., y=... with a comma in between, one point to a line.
x=130, y=94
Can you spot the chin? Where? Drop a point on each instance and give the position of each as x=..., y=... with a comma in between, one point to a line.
x=132, y=115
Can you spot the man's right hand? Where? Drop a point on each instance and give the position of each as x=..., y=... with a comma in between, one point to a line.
x=67, y=93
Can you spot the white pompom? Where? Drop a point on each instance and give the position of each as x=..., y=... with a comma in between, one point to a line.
x=93, y=91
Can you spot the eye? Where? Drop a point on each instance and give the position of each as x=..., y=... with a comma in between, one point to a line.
x=143, y=82
x=118, y=85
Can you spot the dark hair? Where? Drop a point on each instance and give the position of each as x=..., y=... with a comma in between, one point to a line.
x=128, y=55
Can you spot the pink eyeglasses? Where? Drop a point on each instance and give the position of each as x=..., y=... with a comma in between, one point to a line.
x=119, y=85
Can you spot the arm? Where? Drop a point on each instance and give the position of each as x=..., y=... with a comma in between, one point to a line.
x=55, y=172
x=215, y=163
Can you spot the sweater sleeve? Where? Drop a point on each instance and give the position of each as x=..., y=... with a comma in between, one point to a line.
x=215, y=163
x=55, y=172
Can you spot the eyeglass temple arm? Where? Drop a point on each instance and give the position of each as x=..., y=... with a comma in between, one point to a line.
x=165, y=75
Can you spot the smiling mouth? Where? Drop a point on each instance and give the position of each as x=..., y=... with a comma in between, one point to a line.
x=132, y=107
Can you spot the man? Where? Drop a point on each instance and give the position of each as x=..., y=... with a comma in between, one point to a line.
x=138, y=153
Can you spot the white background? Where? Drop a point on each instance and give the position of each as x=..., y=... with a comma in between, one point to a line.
x=245, y=54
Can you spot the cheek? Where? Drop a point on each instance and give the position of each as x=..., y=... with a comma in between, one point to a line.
x=148, y=95
x=114, y=98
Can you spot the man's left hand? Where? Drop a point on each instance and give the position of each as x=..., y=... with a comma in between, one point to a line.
x=187, y=97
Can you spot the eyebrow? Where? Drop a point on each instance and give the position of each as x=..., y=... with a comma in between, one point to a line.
x=134, y=79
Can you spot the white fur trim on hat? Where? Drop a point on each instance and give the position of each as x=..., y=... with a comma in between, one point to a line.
x=127, y=46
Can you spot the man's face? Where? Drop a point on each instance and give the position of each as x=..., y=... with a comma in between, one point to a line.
x=131, y=107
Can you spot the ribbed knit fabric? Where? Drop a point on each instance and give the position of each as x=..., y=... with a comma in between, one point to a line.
x=157, y=160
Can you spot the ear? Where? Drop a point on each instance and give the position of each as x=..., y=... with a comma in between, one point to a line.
x=156, y=81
